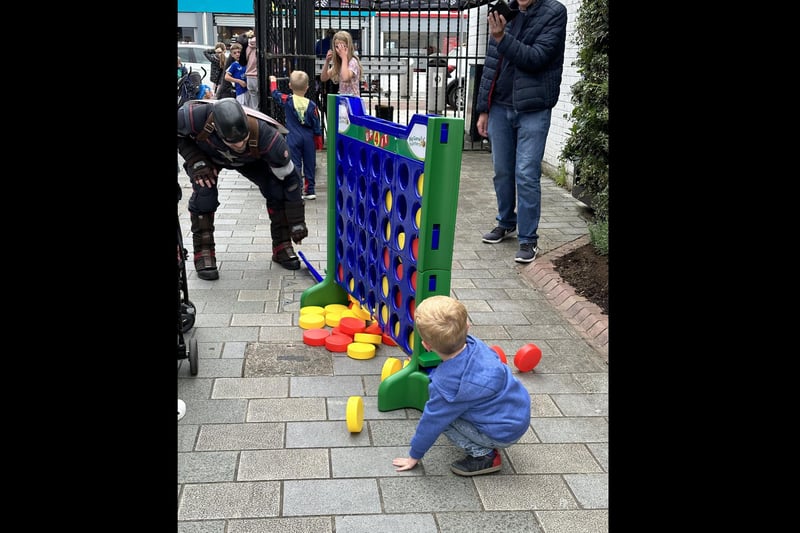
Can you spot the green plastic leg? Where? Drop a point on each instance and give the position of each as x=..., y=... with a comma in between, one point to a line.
x=323, y=293
x=406, y=388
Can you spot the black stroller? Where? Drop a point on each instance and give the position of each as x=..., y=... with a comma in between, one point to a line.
x=186, y=309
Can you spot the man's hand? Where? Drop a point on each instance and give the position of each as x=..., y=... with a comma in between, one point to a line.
x=404, y=463
x=202, y=173
x=497, y=25
x=483, y=125
x=299, y=232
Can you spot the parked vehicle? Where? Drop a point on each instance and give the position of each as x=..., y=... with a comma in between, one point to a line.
x=455, y=93
x=192, y=57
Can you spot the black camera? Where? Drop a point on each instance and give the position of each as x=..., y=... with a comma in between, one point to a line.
x=502, y=9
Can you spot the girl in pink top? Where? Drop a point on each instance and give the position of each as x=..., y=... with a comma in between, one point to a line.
x=342, y=66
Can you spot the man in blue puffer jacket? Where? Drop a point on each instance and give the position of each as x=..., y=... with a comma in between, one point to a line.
x=519, y=87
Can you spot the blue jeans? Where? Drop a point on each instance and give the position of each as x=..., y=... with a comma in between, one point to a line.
x=467, y=437
x=518, y=141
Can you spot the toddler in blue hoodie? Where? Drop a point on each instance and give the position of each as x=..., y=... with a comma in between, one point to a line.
x=474, y=399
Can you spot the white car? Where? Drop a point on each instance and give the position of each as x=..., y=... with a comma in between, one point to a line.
x=192, y=57
x=457, y=72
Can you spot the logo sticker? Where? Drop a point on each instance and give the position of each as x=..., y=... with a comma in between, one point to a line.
x=417, y=139
x=344, y=118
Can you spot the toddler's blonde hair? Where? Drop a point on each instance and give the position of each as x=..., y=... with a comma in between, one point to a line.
x=298, y=81
x=442, y=322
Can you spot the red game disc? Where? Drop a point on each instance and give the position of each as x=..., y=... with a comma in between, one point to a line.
x=527, y=357
x=374, y=328
x=350, y=325
x=316, y=336
x=337, y=343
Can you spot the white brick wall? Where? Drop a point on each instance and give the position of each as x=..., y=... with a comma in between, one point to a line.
x=560, y=123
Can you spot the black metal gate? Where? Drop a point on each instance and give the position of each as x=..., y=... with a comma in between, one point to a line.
x=417, y=56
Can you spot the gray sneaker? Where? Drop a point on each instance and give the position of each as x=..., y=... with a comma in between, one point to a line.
x=498, y=234
x=527, y=252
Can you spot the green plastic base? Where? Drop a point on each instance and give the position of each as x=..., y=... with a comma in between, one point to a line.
x=406, y=388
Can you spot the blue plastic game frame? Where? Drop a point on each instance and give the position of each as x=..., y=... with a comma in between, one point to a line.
x=392, y=201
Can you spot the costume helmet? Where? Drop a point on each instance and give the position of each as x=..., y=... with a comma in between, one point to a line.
x=230, y=120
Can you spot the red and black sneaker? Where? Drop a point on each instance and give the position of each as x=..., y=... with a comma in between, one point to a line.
x=473, y=466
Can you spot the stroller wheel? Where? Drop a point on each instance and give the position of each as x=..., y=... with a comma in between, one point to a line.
x=188, y=314
x=193, y=368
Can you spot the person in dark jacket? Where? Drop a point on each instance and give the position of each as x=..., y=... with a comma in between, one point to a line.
x=217, y=134
x=474, y=399
x=519, y=87
x=226, y=89
x=216, y=56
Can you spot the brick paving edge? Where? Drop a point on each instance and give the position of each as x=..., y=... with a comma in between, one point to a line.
x=586, y=318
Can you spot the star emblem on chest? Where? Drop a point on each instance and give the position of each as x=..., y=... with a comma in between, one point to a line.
x=227, y=154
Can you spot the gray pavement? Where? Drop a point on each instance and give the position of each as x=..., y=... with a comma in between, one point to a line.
x=264, y=446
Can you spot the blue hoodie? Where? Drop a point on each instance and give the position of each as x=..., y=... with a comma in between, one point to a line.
x=478, y=387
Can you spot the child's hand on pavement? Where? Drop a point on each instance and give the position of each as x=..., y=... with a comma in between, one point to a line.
x=404, y=463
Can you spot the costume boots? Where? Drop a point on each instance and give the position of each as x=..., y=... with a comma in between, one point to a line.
x=282, y=251
x=205, y=260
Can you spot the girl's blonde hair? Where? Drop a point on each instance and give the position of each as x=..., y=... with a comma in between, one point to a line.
x=442, y=322
x=346, y=38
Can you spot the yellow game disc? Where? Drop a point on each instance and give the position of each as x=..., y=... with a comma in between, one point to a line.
x=348, y=313
x=361, y=350
x=312, y=310
x=355, y=414
x=370, y=338
x=405, y=363
x=312, y=321
x=360, y=312
x=391, y=366
x=335, y=308
x=332, y=319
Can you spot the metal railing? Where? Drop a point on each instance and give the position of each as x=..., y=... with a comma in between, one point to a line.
x=392, y=39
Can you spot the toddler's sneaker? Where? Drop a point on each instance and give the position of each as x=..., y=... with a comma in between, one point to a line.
x=473, y=466
x=181, y=409
x=309, y=195
x=498, y=234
